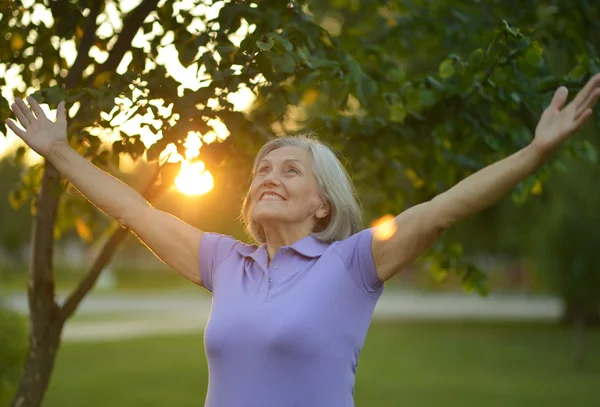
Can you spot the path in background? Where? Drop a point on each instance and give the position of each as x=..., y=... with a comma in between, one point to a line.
x=141, y=315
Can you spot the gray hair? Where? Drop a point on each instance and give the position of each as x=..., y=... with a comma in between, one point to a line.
x=336, y=189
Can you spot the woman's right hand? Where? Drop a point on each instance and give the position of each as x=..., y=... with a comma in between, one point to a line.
x=41, y=134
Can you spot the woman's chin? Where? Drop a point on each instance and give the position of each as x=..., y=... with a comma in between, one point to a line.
x=265, y=216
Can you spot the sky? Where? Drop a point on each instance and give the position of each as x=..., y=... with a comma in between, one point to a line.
x=110, y=22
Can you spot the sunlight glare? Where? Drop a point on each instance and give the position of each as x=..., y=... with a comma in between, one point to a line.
x=171, y=152
x=192, y=145
x=385, y=227
x=193, y=179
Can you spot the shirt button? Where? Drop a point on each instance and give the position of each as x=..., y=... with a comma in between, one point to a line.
x=276, y=266
x=268, y=279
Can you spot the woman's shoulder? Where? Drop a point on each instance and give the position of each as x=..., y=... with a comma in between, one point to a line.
x=219, y=242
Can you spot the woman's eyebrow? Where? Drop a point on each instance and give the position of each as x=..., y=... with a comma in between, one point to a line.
x=297, y=160
x=286, y=161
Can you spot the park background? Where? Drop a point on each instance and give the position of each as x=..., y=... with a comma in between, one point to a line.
x=175, y=97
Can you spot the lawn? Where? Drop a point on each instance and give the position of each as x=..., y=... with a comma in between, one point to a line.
x=403, y=364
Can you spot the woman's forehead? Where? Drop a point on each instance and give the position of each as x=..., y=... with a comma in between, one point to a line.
x=288, y=154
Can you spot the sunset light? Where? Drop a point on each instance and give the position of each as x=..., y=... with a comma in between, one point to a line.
x=193, y=179
x=385, y=227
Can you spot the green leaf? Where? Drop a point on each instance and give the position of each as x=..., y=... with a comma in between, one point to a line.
x=367, y=87
x=285, y=43
x=354, y=70
x=284, y=63
x=527, y=68
x=578, y=72
x=187, y=55
x=17, y=198
x=523, y=43
x=438, y=273
x=208, y=61
x=19, y=154
x=477, y=59
x=51, y=96
x=266, y=44
x=475, y=280
x=513, y=31
x=398, y=75
x=446, y=69
x=427, y=98
x=533, y=55
x=398, y=113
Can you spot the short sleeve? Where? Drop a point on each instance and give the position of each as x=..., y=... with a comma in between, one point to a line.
x=357, y=255
x=214, y=248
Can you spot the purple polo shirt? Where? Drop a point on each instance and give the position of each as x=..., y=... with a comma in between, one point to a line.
x=290, y=333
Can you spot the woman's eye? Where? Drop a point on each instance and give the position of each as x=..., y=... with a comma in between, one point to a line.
x=262, y=170
x=295, y=171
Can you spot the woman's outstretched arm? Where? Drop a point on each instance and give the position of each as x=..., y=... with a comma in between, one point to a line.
x=418, y=227
x=170, y=239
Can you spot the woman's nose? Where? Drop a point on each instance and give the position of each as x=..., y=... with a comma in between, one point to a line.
x=271, y=178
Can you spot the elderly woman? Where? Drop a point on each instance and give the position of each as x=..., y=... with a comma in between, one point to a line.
x=290, y=316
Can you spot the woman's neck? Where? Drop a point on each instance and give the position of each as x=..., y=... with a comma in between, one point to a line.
x=283, y=236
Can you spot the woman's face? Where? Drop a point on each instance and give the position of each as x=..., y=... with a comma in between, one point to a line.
x=285, y=190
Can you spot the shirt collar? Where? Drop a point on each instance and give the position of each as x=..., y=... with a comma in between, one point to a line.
x=309, y=246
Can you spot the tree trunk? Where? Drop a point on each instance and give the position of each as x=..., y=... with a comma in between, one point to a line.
x=45, y=325
x=578, y=343
x=579, y=316
x=573, y=312
x=38, y=367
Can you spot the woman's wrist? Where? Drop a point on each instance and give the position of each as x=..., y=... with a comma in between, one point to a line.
x=537, y=157
x=57, y=152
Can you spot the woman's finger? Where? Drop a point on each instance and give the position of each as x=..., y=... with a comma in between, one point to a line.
x=588, y=103
x=37, y=109
x=61, y=113
x=20, y=115
x=14, y=127
x=560, y=97
x=582, y=119
x=25, y=110
x=584, y=93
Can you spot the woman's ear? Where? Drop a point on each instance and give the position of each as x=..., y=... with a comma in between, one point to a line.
x=323, y=210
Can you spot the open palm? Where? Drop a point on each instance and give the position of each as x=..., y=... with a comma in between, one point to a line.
x=558, y=122
x=41, y=134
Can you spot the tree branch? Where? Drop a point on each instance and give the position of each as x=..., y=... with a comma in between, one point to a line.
x=88, y=39
x=131, y=25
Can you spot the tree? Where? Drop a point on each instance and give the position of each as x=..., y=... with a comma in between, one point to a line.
x=407, y=134
x=15, y=224
x=263, y=62
x=569, y=38
x=437, y=117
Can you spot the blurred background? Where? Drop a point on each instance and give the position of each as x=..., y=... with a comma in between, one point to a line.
x=174, y=98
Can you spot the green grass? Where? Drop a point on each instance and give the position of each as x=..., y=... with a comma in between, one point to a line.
x=408, y=364
x=126, y=280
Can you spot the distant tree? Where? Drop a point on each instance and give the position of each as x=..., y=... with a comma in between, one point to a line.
x=16, y=225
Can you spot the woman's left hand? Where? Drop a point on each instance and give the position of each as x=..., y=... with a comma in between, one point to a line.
x=557, y=124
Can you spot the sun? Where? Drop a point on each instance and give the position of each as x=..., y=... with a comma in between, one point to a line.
x=193, y=179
